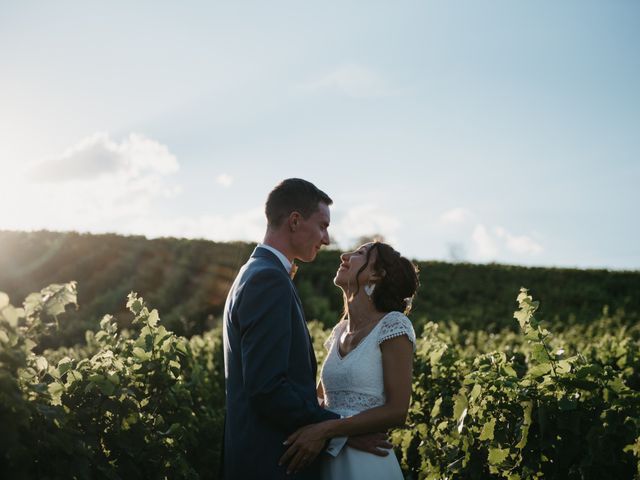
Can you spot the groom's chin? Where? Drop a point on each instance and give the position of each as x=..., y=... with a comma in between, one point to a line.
x=311, y=256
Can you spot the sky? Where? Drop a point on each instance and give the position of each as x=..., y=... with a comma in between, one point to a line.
x=479, y=131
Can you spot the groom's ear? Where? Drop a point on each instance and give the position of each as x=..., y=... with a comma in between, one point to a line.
x=294, y=220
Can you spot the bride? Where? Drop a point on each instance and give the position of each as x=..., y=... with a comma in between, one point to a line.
x=366, y=377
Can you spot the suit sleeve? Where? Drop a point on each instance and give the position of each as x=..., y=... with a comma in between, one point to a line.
x=264, y=317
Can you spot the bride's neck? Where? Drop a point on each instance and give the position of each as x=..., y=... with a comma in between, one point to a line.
x=360, y=312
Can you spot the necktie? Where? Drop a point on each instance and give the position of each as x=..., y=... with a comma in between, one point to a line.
x=294, y=269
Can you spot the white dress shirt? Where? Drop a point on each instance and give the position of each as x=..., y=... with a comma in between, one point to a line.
x=285, y=261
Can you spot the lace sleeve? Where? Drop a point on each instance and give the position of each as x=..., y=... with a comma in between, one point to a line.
x=396, y=324
x=332, y=336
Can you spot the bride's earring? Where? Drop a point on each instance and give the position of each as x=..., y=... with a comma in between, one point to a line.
x=368, y=289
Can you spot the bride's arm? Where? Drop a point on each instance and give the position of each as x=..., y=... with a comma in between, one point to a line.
x=397, y=367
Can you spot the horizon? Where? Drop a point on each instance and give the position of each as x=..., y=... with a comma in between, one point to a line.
x=332, y=248
x=479, y=132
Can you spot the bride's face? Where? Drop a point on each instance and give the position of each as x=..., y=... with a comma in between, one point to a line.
x=350, y=264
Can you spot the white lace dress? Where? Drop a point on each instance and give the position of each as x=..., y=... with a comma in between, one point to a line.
x=354, y=383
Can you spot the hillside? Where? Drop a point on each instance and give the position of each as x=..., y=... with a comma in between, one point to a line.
x=188, y=280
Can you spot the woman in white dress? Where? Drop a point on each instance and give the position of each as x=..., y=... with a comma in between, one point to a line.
x=366, y=377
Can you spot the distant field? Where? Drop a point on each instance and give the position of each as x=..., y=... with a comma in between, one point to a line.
x=187, y=280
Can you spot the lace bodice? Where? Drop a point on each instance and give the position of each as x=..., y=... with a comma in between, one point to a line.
x=354, y=383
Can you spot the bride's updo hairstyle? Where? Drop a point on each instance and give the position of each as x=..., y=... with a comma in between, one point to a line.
x=399, y=281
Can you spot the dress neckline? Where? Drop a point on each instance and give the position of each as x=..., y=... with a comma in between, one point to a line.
x=363, y=340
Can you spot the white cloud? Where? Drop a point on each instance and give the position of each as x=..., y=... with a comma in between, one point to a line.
x=456, y=215
x=98, y=155
x=96, y=185
x=351, y=80
x=490, y=245
x=520, y=244
x=224, y=180
x=485, y=246
x=361, y=220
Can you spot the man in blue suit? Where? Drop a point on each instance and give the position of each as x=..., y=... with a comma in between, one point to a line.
x=270, y=366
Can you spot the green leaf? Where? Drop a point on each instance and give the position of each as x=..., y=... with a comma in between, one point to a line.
x=497, y=455
x=27, y=374
x=539, y=370
x=523, y=295
x=509, y=371
x=523, y=319
x=435, y=411
x=539, y=353
x=4, y=300
x=475, y=392
x=4, y=338
x=64, y=364
x=487, y=430
x=617, y=385
x=108, y=325
x=564, y=366
x=56, y=297
x=73, y=376
x=41, y=364
x=134, y=304
x=532, y=335
x=141, y=354
x=460, y=404
x=460, y=410
x=97, y=378
x=105, y=386
x=181, y=346
x=12, y=314
x=592, y=370
x=114, y=378
x=55, y=390
x=153, y=319
x=436, y=355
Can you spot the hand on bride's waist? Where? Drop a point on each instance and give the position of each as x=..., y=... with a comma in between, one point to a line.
x=305, y=444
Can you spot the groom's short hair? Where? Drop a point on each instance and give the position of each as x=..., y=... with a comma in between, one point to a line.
x=293, y=195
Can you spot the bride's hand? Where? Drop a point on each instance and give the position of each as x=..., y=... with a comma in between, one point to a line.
x=304, y=446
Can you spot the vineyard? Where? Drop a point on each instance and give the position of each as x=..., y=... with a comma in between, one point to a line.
x=144, y=403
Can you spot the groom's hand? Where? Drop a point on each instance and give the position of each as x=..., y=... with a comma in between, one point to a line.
x=371, y=443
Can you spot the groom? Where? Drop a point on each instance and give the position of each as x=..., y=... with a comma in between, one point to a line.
x=270, y=366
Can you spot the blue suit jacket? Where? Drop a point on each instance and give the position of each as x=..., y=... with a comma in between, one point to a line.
x=270, y=371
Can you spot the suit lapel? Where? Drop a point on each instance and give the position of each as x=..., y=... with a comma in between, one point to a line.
x=264, y=253
x=312, y=355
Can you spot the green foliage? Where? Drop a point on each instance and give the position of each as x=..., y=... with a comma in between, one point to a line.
x=139, y=404
x=529, y=409
x=143, y=402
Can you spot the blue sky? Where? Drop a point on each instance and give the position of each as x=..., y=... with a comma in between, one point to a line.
x=478, y=130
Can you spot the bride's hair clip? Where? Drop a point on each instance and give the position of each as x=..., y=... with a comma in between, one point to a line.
x=408, y=302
